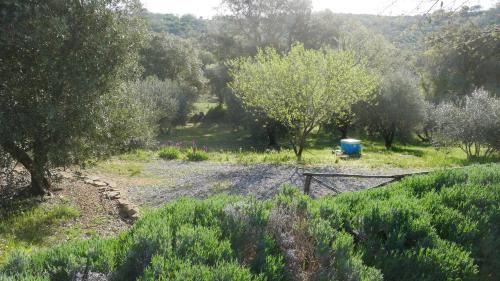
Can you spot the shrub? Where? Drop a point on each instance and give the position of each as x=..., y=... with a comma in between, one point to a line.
x=175, y=269
x=169, y=153
x=193, y=154
x=441, y=226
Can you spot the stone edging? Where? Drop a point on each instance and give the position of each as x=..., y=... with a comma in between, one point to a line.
x=110, y=191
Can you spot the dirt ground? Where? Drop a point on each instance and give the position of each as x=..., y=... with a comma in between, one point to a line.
x=99, y=215
x=163, y=181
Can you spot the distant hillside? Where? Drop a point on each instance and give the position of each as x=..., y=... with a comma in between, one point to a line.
x=405, y=32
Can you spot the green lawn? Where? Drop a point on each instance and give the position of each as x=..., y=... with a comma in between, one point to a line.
x=225, y=144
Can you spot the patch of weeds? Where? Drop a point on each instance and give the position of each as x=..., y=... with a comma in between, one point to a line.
x=196, y=155
x=34, y=226
x=169, y=153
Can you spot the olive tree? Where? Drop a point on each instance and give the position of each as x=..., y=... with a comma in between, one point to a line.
x=302, y=88
x=473, y=125
x=396, y=110
x=64, y=67
x=164, y=99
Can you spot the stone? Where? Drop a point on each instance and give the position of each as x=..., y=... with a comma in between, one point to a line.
x=130, y=210
x=88, y=181
x=123, y=201
x=99, y=183
x=111, y=184
x=113, y=194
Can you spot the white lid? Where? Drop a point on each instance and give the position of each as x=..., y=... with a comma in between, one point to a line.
x=350, y=141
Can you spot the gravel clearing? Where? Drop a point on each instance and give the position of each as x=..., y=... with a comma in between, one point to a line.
x=177, y=179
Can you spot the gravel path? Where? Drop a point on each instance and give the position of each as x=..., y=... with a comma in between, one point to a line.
x=201, y=179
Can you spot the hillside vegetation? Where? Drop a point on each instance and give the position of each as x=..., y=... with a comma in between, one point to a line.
x=441, y=226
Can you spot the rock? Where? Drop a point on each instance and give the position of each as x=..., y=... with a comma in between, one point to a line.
x=88, y=181
x=123, y=201
x=111, y=184
x=113, y=194
x=99, y=183
x=128, y=209
x=94, y=178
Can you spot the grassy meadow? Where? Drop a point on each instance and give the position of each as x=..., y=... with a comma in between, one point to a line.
x=225, y=144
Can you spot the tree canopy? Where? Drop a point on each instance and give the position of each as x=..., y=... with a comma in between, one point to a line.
x=301, y=88
x=63, y=96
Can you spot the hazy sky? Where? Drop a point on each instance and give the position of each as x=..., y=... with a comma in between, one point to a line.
x=207, y=8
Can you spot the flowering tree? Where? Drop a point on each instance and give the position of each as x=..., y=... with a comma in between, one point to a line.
x=302, y=88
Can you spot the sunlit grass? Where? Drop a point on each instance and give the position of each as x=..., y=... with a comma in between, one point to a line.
x=226, y=144
x=121, y=167
x=372, y=157
x=24, y=224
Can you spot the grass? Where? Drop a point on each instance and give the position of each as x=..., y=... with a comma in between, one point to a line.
x=228, y=145
x=204, y=103
x=26, y=224
x=122, y=167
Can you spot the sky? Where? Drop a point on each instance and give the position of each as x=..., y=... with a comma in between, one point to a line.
x=208, y=8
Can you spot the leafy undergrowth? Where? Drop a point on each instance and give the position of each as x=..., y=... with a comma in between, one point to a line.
x=441, y=226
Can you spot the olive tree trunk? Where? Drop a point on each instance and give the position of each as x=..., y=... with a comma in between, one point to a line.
x=40, y=182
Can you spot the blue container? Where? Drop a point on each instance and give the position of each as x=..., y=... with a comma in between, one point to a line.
x=350, y=146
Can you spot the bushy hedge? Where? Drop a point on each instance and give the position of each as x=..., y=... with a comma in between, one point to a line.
x=441, y=226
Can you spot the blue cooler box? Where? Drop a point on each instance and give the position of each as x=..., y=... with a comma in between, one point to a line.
x=350, y=146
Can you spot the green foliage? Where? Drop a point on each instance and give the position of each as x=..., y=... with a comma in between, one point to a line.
x=441, y=226
x=64, y=68
x=169, y=152
x=396, y=110
x=216, y=114
x=174, y=58
x=176, y=269
x=161, y=98
x=459, y=58
x=194, y=154
x=474, y=125
x=323, y=82
x=183, y=26
x=238, y=146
